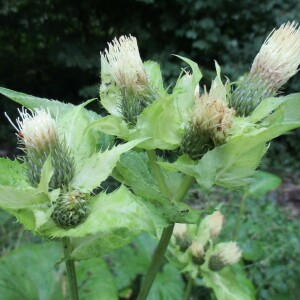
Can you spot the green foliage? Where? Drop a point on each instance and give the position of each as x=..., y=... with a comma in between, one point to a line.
x=133, y=260
x=44, y=280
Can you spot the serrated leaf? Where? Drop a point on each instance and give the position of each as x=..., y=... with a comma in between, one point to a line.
x=12, y=173
x=32, y=102
x=96, y=168
x=134, y=170
x=229, y=284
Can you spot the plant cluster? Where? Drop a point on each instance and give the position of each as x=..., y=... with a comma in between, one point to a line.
x=220, y=135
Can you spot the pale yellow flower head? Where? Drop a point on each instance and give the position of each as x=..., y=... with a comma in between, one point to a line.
x=125, y=64
x=215, y=223
x=279, y=56
x=180, y=230
x=212, y=117
x=229, y=253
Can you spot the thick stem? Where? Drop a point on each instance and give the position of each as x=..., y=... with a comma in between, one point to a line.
x=239, y=218
x=70, y=269
x=165, y=238
x=188, y=288
x=156, y=262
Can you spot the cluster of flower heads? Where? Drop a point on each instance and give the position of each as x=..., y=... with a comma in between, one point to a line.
x=212, y=117
x=196, y=245
x=39, y=139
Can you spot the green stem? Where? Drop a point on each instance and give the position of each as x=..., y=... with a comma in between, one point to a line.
x=158, y=173
x=239, y=218
x=188, y=288
x=165, y=238
x=70, y=269
x=156, y=262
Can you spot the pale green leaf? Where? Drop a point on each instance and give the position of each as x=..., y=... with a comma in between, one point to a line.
x=80, y=138
x=14, y=198
x=229, y=284
x=32, y=102
x=154, y=76
x=46, y=174
x=96, y=168
x=113, y=125
x=134, y=170
x=118, y=210
x=12, y=173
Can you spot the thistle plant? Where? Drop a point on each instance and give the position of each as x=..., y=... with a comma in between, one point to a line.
x=276, y=62
x=69, y=151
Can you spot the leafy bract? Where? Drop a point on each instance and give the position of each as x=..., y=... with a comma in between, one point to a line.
x=163, y=120
x=229, y=284
x=91, y=171
x=12, y=173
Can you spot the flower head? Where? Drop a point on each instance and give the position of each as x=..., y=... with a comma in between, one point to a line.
x=122, y=63
x=215, y=223
x=38, y=134
x=210, y=125
x=276, y=62
x=125, y=64
x=225, y=254
x=279, y=56
x=37, y=130
x=181, y=236
x=197, y=252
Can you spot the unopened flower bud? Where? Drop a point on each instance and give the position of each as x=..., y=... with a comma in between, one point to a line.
x=181, y=236
x=225, y=254
x=37, y=133
x=276, y=62
x=214, y=223
x=197, y=252
x=210, y=125
x=70, y=209
x=124, y=64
